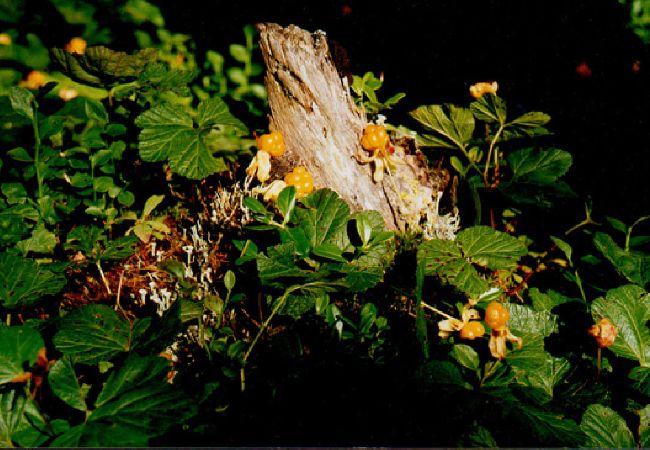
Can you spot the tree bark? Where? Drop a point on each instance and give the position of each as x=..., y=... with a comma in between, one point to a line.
x=312, y=107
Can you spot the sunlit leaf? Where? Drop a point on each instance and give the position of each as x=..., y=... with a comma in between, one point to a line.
x=20, y=347
x=635, y=266
x=454, y=124
x=628, y=308
x=168, y=133
x=20, y=421
x=604, y=428
x=489, y=108
x=23, y=282
x=93, y=333
x=490, y=248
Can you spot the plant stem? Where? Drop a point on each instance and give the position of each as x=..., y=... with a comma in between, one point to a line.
x=436, y=310
x=101, y=273
x=629, y=231
x=37, y=150
x=486, y=181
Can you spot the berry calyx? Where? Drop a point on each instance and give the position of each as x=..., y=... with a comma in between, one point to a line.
x=496, y=316
x=472, y=330
x=374, y=138
x=272, y=143
x=301, y=179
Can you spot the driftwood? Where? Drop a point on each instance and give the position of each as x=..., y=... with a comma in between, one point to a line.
x=312, y=107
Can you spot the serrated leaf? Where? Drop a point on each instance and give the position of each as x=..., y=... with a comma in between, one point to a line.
x=119, y=248
x=325, y=213
x=466, y=356
x=641, y=377
x=489, y=108
x=21, y=101
x=628, y=308
x=102, y=66
x=136, y=403
x=490, y=248
x=549, y=427
x=531, y=166
x=530, y=124
x=635, y=266
x=442, y=372
x=41, y=241
x=454, y=124
x=20, y=421
x=214, y=111
x=168, y=133
x=63, y=382
x=547, y=374
x=23, y=282
x=20, y=347
x=278, y=264
x=604, y=428
x=644, y=427
x=297, y=305
x=93, y=333
x=549, y=300
x=444, y=259
x=526, y=320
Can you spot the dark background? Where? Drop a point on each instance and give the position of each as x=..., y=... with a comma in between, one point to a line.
x=434, y=50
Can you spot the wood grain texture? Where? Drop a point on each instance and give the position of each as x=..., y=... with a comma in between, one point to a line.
x=312, y=107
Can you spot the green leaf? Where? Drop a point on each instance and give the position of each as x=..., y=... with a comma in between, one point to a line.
x=119, y=248
x=549, y=300
x=93, y=333
x=20, y=421
x=325, y=213
x=605, y=428
x=297, y=305
x=490, y=248
x=529, y=357
x=287, y=201
x=151, y=204
x=444, y=259
x=530, y=166
x=23, y=282
x=453, y=123
x=239, y=52
x=524, y=319
x=635, y=266
x=466, y=356
x=21, y=101
x=135, y=405
x=530, y=124
x=628, y=308
x=442, y=372
x=168, y=133
x=20, y=347
x=489, y=108
x=278, y=264
x=329, y=251
x=100, y=66
x=617, y=224
x=548, y=426
x=548, y=374
x=190, y=310
x=644, y=427
x=641, y=377
x=20, y=154
x=214, y=111
x=64, y=384
x=14, y=192
x=564, y=247
x=41, y=241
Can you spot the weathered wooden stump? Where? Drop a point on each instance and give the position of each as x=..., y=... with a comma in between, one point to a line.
x=312, y=107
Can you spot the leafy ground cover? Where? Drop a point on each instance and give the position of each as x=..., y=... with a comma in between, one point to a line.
x=151, y=294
